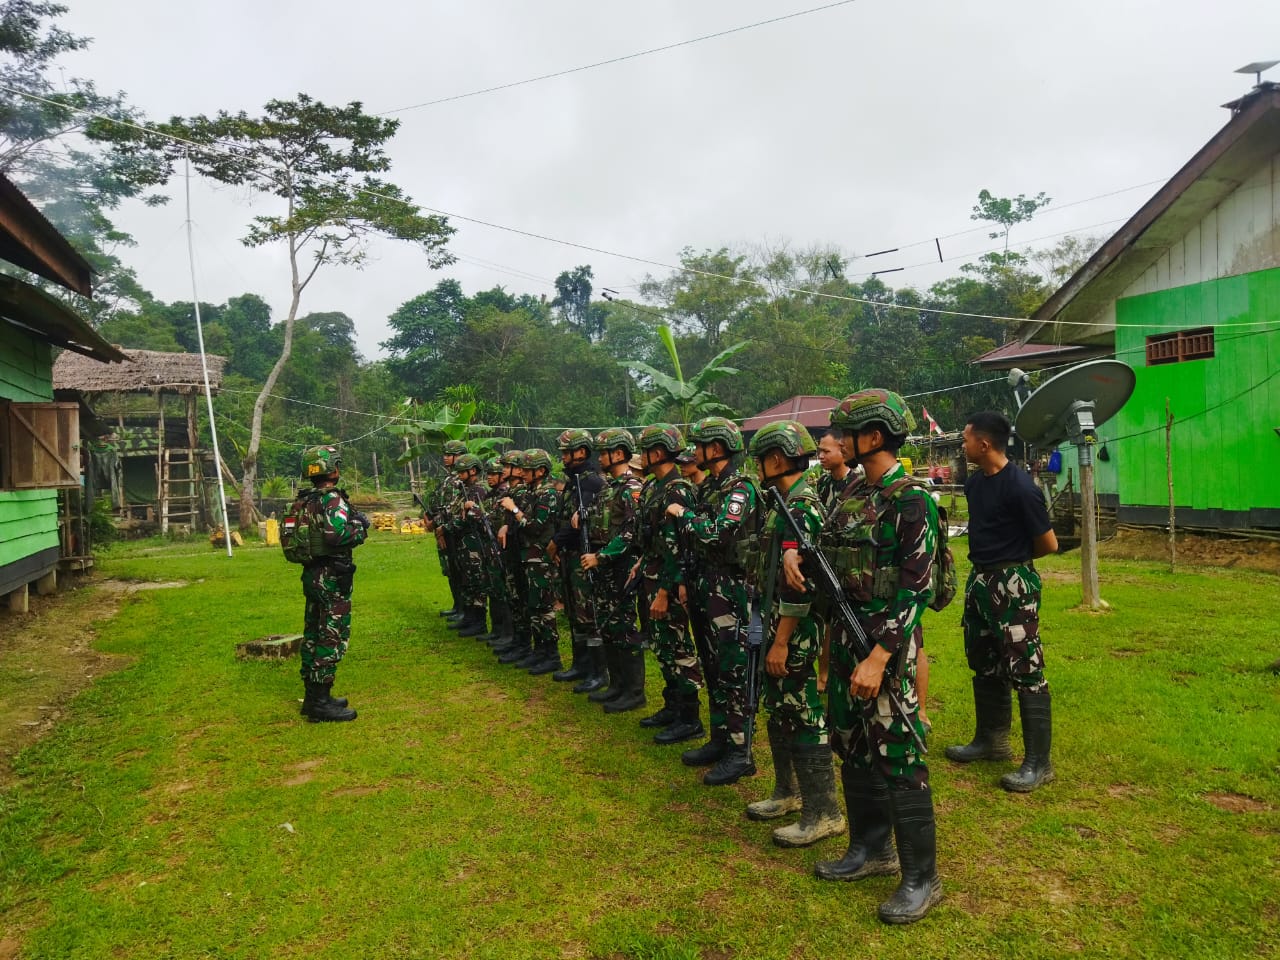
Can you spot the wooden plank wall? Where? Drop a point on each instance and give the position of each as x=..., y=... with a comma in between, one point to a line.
x=28, y=518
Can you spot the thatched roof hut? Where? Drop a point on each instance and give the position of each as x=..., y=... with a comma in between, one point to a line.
x=145, y=371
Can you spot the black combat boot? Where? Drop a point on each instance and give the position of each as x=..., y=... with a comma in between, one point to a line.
x=535, y=654
x=518, y=650
x=870, y=853
x=458, y=620
x=820, y=815
x=993, y=709
x=687, y=724
x=914, y=827
x=736, y=763
x=786, y=790
x=340, y=701
x=667, y=713
x=631, y=663
x=709, y=752
x=617, y=676
x=578, y=665
x=319, y=707
x=491, y=634
x=548, y=658
x=1037, y=737
x=503, y=626
x=473, y=624
x=597, y=677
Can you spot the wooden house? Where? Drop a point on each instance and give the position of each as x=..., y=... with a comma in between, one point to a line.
x=1187, y=293
x=40, y=450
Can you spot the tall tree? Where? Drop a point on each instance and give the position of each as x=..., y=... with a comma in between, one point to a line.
x=1007, y=212
x=711, y=290
x=319, y=163
x=573, y=300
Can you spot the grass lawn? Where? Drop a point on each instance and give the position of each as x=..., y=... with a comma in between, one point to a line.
x=182, y=808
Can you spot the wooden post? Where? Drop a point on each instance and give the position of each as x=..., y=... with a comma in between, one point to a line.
x=162, y=474
x=1088, y=530
x=1168, y=469
x=377, y=484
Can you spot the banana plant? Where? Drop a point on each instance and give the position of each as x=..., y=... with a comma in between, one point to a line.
x=429, y=428
x=676, y=399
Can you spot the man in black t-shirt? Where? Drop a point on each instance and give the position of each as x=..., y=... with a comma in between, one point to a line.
x=1008, y=528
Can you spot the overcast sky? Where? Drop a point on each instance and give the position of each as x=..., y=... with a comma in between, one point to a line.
x=869, y=125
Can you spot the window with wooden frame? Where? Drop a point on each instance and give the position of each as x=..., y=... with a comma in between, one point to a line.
x=39, y=445
x=1183, y=345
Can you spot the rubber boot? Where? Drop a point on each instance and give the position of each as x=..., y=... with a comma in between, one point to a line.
x=503, y=626
x=667, y=714
x=340, y=701
x=871, y=852
x=993, y=709
x=732, y=767
x=577, y=669
x=597, y=677
x=495, y=620
x=688, y=723
x=613, y=654
x=534, y=655
x=319, y=707
x=1037, y=737
x=549, y=658
x=518, y=650
x=714, y=749
x=914, y=826
x=631, y=662
x=820, y=815
x=786, y=790
x=473, y=625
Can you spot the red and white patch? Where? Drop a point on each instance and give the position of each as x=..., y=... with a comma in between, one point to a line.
x=737, y=503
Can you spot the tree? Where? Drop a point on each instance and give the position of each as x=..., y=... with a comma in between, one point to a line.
x=573, y=300
x=708, y=293
x=683, y=401
x=319, y=162
x=60, y=144
x=1006, y=212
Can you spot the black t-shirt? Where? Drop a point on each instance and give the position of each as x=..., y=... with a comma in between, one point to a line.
x=1006, y=513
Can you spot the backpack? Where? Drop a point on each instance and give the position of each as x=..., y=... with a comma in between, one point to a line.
x=302, y=531
x=945, y=582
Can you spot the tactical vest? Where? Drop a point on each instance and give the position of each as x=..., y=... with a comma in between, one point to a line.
x=737, y=554
x=849, y=540
x=606, y=517
x=653, y=507
x=773, y=532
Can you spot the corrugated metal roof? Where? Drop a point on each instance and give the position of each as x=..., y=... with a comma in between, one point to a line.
x=812, y=411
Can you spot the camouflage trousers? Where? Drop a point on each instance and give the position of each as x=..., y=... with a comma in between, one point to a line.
x=671, y=642
x=540, y=600
x=513, y=573
x=727, y=613
x=579, y=597
x=1002, y=627
x=326, y=623
x=473, y=583
x=792, y=700
x=869, y=733
x=616, y=610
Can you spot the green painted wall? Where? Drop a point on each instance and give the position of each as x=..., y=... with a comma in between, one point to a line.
x=1226, y=455
x=28, y=518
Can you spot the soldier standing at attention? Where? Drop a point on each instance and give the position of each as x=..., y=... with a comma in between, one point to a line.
x=582, y=479
x=797, y=721
x=611, y=525
x=466, y=533
x=664, y=601
x=882, y=538
x=534, y=524
x=520, y=644
x=327, y=581
x=727, y=515
x=435, y=516
x=1009, y=528
x=497, y=476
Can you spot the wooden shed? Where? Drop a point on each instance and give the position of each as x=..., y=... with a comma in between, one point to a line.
x=40, y=450
x=151, y=459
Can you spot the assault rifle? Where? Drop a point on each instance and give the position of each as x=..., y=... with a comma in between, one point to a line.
x=584, y=547
x=755, y=673
x=829, y=583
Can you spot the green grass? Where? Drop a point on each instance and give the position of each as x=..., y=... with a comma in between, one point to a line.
x=473, y=811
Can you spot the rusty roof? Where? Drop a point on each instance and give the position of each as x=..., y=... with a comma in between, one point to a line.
x=811, y=410
x=144, y=371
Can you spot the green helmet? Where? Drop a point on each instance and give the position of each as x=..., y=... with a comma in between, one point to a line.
x=616, y=438
x=493, y=465
x=321, y=461
x=687, y=456
x=865, y=407
x=454, y=448
x=662, y=435
x=467, y=461
x=512, y=458
x=789, y=436
x=537, y=458
x=573, y=439
x=717, y=428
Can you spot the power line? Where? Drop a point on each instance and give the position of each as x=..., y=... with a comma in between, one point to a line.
x=621, y=59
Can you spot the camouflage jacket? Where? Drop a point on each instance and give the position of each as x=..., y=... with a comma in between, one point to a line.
x=611, y=519
x=882, y=548
x=442, y=503
x=657, y=531
x=725, y=521
x=775, y=538
x=567, y=538
x=342, y=532
x=829, y=488
x=540, y=506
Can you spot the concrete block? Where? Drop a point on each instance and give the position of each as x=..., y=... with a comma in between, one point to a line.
x=19, y=600
x=47, y=584
x=278, y=646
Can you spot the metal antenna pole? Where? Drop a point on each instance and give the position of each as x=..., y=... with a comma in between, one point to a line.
x=204, y=365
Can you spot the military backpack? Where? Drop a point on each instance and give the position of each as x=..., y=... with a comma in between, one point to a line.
x=302, y=530
x=945, y=582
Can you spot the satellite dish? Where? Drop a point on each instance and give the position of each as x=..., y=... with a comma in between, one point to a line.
x=1072, y=405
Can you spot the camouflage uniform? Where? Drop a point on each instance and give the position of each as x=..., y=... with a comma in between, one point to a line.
x=514, y=569
x=535, y=528
x=446, y=493
x=327, y=585
x=466, y=536
x=611, y=525
x=583, y=482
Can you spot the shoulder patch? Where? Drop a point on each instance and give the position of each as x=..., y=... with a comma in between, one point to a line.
x=737, y=503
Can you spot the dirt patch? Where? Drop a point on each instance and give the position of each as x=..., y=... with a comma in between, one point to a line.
x=1194, y=550
x=1236, y=803
x=47, y=657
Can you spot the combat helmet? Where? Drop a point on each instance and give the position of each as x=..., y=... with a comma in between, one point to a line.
x=663, y=435
x=493, y=465
x=717, y=428
x=454, y=448
x=321, y=461
x=468, y=461
x=574, y=439
x=512, y=458
x=616, y=438
x=789, y=436
x=537, y=459
x=859, y=410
